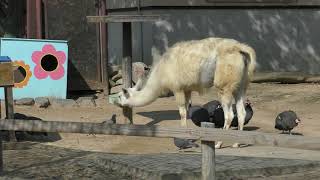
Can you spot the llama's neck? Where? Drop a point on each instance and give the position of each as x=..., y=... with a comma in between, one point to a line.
x=149, y=93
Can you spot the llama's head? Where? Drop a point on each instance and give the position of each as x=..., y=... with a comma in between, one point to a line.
x=125, y=94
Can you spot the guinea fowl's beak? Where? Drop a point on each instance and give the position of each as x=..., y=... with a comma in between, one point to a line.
x=298, y=121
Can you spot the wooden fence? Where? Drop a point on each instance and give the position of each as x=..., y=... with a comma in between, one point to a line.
x=207, y=136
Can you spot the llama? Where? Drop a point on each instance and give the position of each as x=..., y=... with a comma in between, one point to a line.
x=198, y=65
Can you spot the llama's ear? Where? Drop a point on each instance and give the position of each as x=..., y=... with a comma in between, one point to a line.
x=125, y=93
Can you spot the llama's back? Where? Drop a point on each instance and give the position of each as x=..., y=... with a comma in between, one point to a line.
x=182, y=63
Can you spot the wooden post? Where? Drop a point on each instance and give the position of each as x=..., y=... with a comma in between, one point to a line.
x=208, y=156
x=9, y=109
x=127, y=65
x=1, y=149
x=102, y=47
x=1, y=156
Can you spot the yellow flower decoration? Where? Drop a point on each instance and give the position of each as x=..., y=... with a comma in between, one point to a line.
x=21, y=66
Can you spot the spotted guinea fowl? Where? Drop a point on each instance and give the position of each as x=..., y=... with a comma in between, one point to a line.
x=213, y=112
x=198, y=114
x=249, y=114
x=184, y=143
x=217, y=115
x=286, y=121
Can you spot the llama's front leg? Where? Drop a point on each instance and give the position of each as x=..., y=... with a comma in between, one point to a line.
x=181, y=101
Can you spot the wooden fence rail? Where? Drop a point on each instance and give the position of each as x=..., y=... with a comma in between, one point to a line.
x=206, y=135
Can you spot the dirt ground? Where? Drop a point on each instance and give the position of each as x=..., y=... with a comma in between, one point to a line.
x=268, y=100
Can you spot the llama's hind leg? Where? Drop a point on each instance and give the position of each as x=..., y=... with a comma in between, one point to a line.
x=226, y=101
x=241, y=112
x=188, y=99
x=182, y=105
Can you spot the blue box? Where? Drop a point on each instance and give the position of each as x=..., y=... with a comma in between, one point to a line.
x=40, y=67
x=5, y=59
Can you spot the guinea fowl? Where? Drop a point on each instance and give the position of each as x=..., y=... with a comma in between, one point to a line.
x=198, y=114
x=213, y=112
x=249, y=114
x=286, y=121
x=217, y=115
x=184, y=143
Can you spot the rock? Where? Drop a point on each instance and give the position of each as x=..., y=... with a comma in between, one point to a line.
x=86, y=102
x=116, y=89
x=102, y=102
x=61, y=103
x=139, y=69
x=25, y=102
x=42, y=102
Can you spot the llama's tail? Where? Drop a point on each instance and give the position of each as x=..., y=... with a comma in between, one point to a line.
x=247, y=51
x=250, y=58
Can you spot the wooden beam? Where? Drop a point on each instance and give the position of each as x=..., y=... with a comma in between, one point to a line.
x=208, y=167
x=125, y=18
x=127, y=65
x=6, y=74
x=8, y=95
x=102, y=44
x=285, y=77
x=208, y=134
x=34, y=22
x=1, y=157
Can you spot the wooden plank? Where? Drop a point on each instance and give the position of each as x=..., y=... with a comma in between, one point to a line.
x=208, y=160
x=285, y=77
x=1, y=157
x=8, y=95
x=127, y=66
x=208, y=167
x=0, y=109
x=6, y=74
x=208, y=134
x=125, y=18
x=158, y=4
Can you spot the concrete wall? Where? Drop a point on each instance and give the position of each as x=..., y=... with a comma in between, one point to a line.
x=285, y=39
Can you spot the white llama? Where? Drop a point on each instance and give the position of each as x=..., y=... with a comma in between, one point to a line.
x=198, y=65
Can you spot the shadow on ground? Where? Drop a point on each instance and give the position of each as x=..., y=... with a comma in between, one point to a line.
x=31, y=136
x=158, y=116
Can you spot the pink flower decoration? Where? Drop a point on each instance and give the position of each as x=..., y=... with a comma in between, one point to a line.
x=59, y=58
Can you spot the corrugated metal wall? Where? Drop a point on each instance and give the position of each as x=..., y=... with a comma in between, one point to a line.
x=285, y=38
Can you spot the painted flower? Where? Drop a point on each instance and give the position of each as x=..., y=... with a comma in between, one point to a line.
x=49, y=62
x=22, y=74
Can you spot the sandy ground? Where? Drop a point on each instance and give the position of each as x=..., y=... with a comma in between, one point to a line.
x=268, y=100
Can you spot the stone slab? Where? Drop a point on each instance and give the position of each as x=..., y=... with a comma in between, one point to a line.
x=33, y=160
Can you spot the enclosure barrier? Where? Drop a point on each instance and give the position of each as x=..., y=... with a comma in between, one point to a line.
x=207, y=135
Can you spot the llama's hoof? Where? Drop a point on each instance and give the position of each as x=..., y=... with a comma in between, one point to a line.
x=218, y=145
x=236, y=145
x=184, y=124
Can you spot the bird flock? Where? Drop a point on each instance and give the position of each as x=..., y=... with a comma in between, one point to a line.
x=212, y=112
